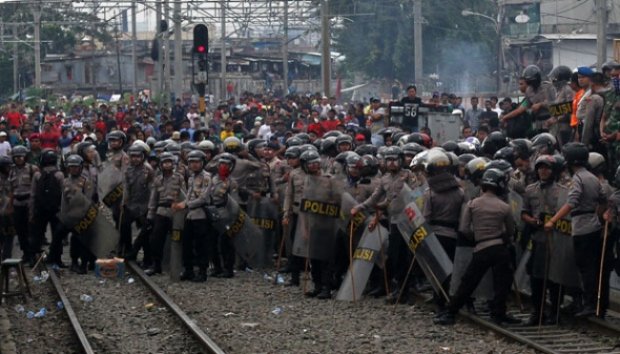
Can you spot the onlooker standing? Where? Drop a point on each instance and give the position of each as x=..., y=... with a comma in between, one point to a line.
x=472, y=116
x=5, y=147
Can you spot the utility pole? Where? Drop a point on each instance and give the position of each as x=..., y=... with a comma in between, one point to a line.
x=285, y=49
x=500, y=47
x=134, y=56
x=36, y=13
x=223, y=54
x=601, y=35
x=167, y=53
x=15, y=60
x=325, y=51
x=159, y=34
x=178, y=51
x=417, y=40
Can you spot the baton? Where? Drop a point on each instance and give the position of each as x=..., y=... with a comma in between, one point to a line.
x=600, y=274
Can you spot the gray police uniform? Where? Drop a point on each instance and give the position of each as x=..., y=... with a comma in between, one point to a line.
x=21, y=183
x=137, y=185
x=195, y=249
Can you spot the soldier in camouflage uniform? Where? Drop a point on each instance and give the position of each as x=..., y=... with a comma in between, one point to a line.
x=167, y=188
x=610, y=121
x=7, y=229
x=21, y=177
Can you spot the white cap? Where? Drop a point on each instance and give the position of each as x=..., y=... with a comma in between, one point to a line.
x=2, y=133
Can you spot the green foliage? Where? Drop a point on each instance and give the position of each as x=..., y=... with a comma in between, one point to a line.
x=381, y=45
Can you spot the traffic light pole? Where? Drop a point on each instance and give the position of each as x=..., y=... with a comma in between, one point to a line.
x=200, y=52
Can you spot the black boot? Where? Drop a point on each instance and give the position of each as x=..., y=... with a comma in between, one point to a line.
x=75, y=268
x=294, y=279
x=188, y=274
x=316, y=291
x=201, y=277
x=215, y=272
x=324, y=294
x=154, y=269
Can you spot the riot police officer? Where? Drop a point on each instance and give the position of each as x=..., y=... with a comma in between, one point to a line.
x=7, y=230
x=21, y=177
x=585, y=196
x=167, y=188
x=490, y=220
x=195, y=249
x=292, y=201
x=116, y=141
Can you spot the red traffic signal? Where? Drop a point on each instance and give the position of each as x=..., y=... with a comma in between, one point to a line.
x=201, y=39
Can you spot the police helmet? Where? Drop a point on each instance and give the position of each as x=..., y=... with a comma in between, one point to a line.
x=328, y=146
x=19, y=151
x=232, y=145
x=293, y=141
x=74, y=160
x=306, y=147
x=352, y=159
x=465, y=158
x=256, y=144
x=228, y=159
x=544, y=142
x=596, y=163
x=522, y=148
x=467, y=148
x=304, y=137
x=48, y=158
x=412, y=149
x=366, y=149
x=368, y=166
x=475, y=168
x=117, y=135
x=610, y=65
x=421, y=139
x=397, y=137
x=473, y=140
x=344, y=139
x=83, y=147
x=402, y=140
x=145, y=146
x=308, y=157
x=493, y=142
x=5, y=162
x=546, y=160
x=531, y=73
x=501, y=165
x=576, y=154
x=150, y=141
x=452, y=146
x=136, y=150
x=207, y=145
x=560, y=73
x=166, y=156
x=393, y=153
x=292, y=152
x=187, y=146
x=332, y=133
x=495, y=179
x=196, y=155
x=173, y=148
x=160, y=146
x=342, y=157
x=436, y=161
x=507, y=154
x=419, y=160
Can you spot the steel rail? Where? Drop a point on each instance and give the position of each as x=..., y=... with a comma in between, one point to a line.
x=75, y=323
x=206, y=342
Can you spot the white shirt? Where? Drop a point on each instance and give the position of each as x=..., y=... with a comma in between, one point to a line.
x=5, y=148
x=264, y=132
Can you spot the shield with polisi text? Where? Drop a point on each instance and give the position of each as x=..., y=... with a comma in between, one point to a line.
x=563, y=265
x=110, y=185
x=264, y=214
x=317, y=223
x=422, y=242
x=369, y=252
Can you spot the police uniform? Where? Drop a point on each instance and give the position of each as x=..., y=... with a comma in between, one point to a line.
x=21, y=178
x=541, y=199
x=166, y=190
x=137, y=186
x=611, y=114
x=7, y=227
x=610, y=262
x=46, y=209
x=584, y=196
x=389, y=187
x=217, y=195
x=546, y=94
x=564, y=94
x=491, y=221
x=195, y=250
x=292, y=201
x=119, y=159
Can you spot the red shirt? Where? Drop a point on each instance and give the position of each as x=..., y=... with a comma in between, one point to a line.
x=49, y=140
x=317, y=128
x=101, y=126
x=14, y=119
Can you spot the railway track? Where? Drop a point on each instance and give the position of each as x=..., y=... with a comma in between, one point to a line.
x=571, y=337
x=83, y=327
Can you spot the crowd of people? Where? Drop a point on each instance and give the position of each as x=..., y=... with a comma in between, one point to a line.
x=521, y=172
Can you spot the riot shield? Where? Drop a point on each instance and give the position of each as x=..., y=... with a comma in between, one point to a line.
x=317, y=222
x=516, y=205
x=233, y=222
x=366, y=255
x=563, y=266
x=264, y=214
x=421, y=240
x=73, y=211
x=176, y=239
x=348, y=224
x=110, y=185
